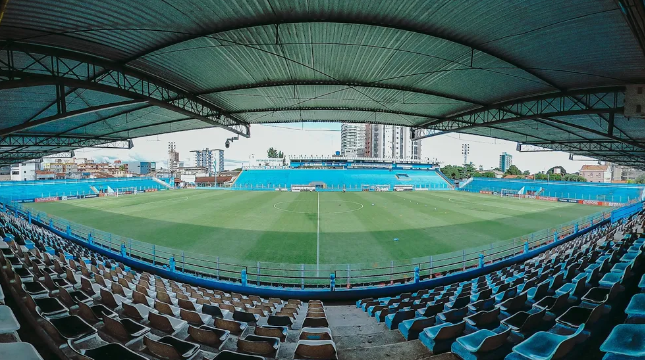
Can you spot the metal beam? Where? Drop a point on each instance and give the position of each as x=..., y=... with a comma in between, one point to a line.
x=66, y=115
x=24, y=65
x=587, y=146
x=593, y=101
x=52, y=140
x=330, y=108
x=33, y=155
x=349, y=84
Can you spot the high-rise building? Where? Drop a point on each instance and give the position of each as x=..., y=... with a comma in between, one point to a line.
x=173, y=157
x=390, y=141
x=211, y=159
x=505, y=161
x=352, y=140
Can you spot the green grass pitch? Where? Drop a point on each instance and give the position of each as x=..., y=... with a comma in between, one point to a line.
x=285, y=227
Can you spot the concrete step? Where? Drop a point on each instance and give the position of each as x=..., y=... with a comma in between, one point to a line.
x=409, y=350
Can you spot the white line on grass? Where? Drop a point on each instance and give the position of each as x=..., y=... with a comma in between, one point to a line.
x=318, y=240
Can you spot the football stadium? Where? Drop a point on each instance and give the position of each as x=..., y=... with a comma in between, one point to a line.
x=380, y=254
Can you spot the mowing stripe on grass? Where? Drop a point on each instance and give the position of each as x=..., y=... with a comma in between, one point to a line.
x=318, y=240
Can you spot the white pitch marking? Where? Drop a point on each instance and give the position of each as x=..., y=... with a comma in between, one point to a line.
x=318, y=240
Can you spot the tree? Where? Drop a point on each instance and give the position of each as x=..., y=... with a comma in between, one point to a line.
x=552, y=170
x=488, y=174
x=513, y=170
x=640, y=179
x=453, y=172
x=274, y=154
x=541, y=176
x=526, y=172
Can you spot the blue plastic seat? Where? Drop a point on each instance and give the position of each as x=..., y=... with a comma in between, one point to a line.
x=483, y=344
x=410, y=329
x=546, y=346
x=481, y=295
x=612, y=278
x=454, y=315
x=439, y=338
x=392, y=321
x=621, y=266
x=627, y=340
x=636, y=307
x=630, y=256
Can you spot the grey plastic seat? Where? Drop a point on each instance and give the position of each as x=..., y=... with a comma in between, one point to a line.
x=8, y=322
x=19, y=351
x=111, y=351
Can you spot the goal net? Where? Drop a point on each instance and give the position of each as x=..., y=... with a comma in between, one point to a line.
x=509, y=192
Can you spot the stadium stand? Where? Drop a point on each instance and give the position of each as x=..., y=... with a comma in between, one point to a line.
x=551, y=306
x=351, y=179
x=92, y=307
x=618, y=193
x=30, y=190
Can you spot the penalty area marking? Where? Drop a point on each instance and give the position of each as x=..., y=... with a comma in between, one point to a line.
x=360, y=206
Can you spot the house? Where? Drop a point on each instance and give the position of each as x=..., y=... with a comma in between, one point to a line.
x=596, y=173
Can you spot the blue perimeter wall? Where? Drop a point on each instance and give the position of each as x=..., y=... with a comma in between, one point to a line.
x=327, y=294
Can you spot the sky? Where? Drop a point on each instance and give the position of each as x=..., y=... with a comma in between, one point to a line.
x=323, y=139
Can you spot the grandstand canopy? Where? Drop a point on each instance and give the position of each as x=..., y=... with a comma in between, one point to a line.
x=550, y=73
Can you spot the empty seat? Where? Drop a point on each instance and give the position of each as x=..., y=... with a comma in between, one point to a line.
x=110, y=352
x=279, y=332
x=524, y=323
x=410, y=329
x=315, y=349
x=439, y=338
x=47, y=307
x=195, y=318
x=94, y=313
x=167, y=324
x=69, y=329
x=315, y=322
x=315, y=334
x=454, y=315
x=232, y=355
x=392, y=321
x=259, y=345
x=125, y=330
x=235, y=327
x=136, y=311
x=276, y=320
x=483, y=320
x=8, y=322
x=171, y=348
x=544, y=345
x=18, y=350
x=246, y=317
x=213, y=311
x=483, y=344
x=208, y=335
x=576, y=316
x=626, y=341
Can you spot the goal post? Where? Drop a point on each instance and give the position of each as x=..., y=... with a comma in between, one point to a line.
x=509, y=193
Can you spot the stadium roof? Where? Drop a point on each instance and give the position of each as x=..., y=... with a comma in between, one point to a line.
x=99, y=73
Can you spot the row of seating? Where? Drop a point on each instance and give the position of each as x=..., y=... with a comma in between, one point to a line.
x=540, y=309
x=11, y=345
x=94, y=307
